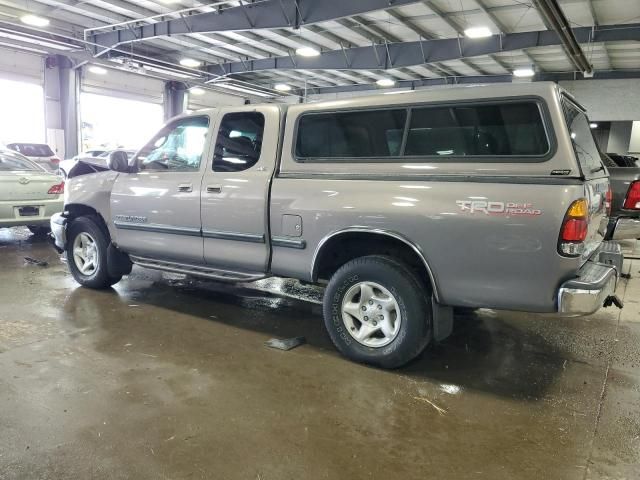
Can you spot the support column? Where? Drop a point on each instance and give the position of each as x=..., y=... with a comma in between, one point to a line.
x=61, y=93
x=175, y=99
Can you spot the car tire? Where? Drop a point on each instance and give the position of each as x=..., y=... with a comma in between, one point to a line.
x=87, y=243
x=39, y=230
x=393, y=303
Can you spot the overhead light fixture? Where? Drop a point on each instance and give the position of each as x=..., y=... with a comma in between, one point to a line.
x=35, y=41
x=386, y=82
x=593, y=125
x=307, y=52
x=97, y=70
x=34, y=20
x=282, y=87
x=197, y=91
x=524, y=72
x=478, y=32
x=190, y=63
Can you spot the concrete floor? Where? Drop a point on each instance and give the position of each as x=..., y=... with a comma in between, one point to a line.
x=162, y=377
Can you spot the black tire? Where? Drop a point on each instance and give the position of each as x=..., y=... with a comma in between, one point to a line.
x=39, y=230
x=99, y=278
x=415, y=329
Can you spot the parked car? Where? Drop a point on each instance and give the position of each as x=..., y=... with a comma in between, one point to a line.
x=29, y=195
x=624, y=160
x=39, y=153
x=624, y=221
x=404, y=206
x=100, y=159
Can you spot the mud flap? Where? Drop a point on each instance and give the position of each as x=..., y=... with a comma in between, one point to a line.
x=442, y=320
x=118, y=263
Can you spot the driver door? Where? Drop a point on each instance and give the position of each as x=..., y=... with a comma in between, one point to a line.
x=156, y=210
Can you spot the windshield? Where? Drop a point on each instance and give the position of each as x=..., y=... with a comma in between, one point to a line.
x=584, y=144
x=10, y=162
x=32, y=149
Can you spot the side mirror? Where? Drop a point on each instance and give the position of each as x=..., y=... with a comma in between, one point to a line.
x=118, y=161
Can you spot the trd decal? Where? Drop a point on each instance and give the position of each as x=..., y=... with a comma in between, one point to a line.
x=498, y=208
x=130, y=218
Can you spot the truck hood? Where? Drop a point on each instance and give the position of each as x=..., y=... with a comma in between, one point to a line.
x=86, y=166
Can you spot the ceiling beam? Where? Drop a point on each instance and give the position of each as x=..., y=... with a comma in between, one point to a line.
x=265, y=14
x=405, y=54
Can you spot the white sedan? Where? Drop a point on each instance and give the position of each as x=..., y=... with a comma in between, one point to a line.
x=29, y=195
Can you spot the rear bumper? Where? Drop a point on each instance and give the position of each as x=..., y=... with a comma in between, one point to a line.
x=10, y=212
x=596, y=281
x=626, y=229
x=59, y=232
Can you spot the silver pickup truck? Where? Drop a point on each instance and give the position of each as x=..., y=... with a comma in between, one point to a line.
x=405, y=206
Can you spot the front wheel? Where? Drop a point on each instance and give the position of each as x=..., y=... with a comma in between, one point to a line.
x=87, y=246
x=376, y=312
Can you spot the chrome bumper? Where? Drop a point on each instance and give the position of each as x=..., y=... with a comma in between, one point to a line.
x=626, y=229
x=596, y=281
x=58, y=225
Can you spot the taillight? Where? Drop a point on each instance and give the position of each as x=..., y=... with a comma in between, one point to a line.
x=54, y=160
x=608, y=200
x=632, y=201
x=57, y=189
x=574, y=229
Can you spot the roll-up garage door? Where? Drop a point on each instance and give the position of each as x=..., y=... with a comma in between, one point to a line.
x=210, y=99
x=119, y=110
x=21, y=98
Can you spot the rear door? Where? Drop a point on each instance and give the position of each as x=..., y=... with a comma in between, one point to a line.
x=235, y=188
x=593, y=171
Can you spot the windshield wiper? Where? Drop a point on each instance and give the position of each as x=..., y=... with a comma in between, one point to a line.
x=597, y=169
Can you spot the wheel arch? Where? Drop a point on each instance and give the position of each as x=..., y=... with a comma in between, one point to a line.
x=371, y=240
x=75, y=210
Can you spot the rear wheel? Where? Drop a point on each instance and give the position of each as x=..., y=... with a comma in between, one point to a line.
x=87, y=244
x=39, y=230
x=376, y=312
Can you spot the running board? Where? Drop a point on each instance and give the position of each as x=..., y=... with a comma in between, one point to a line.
x=197, y=270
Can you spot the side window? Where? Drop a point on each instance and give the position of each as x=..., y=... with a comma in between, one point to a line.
x=239, y=142
x=376, y=133
x=507, y=129
x=178, y=146
x=584, y=144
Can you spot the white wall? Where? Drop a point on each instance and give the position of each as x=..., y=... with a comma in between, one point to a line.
x=607, y=100
x=634, y=142
x=619, y=137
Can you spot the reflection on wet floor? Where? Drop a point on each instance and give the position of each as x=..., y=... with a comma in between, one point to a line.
x=166, y=376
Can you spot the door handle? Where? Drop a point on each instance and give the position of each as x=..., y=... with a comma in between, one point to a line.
x=185, y=187
x=214, y=189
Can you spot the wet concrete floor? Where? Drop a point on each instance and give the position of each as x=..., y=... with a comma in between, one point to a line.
x=163, y=377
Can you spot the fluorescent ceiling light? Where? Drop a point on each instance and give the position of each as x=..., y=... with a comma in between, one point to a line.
x=197, y=91
x=190, y=62
x=478, y=32
x=172, y=73
x=386, y=82
x=307, y=52
x=34, y=20
x=523, y=72
x=282, y=87
x=593, y=125
x=35, y=41
x=242, y=89
x=20, y=47
x=97, y=70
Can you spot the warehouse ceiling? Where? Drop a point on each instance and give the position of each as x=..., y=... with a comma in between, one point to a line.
x=253, y=47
